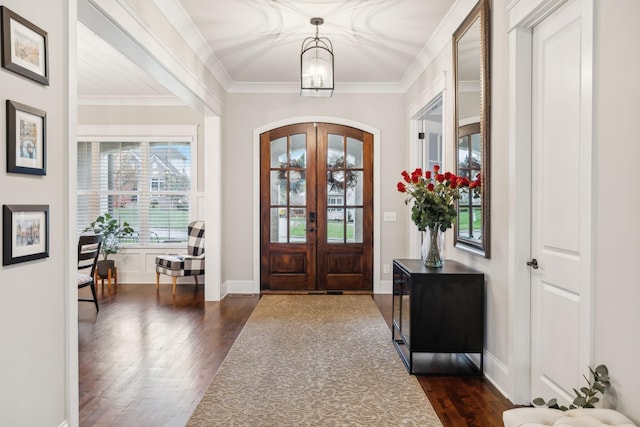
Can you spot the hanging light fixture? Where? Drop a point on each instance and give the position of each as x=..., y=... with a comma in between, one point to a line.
x=316, y=65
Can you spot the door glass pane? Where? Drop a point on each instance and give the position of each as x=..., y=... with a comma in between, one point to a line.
x=278, y=187
x=298, y=188
x=463, y=152
x=335, y=151
x=354, y=153
x=335, y=225
x=297, y=225
x=354, y=225
x=278, y=225
x=298, y=153
x=335, y=187
x=477, y=223
x=279, y=153
x=354, y=187
x=463, y=222
x=476, y=153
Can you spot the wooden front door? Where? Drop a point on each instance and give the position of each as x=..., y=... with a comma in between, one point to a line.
x=316, y=208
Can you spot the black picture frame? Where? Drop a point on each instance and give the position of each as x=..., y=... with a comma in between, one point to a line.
x=26, y=139
x=25, y=231
x=24, y=47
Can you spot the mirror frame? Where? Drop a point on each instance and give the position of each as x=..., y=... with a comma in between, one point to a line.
x=479, y=12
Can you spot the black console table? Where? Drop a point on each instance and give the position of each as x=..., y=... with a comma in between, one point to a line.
x=438, y=317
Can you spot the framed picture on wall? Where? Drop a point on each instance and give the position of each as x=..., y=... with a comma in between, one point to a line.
x=26, y=139
x=25, y=233
x=24, y=47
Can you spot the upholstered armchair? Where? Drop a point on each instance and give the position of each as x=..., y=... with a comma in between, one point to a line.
x=189, y=264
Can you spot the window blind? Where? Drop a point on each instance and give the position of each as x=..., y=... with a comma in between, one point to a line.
x=145, y=182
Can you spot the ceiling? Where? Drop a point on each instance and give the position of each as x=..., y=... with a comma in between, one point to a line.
x=375, y=42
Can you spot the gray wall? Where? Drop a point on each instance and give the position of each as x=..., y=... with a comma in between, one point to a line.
x=246, y=112
x=33, y=308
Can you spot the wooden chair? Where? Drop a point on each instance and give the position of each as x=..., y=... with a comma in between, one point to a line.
x=88, y=251
x=190, y=264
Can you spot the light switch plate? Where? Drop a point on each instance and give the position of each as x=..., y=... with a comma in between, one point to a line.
x=389, y=216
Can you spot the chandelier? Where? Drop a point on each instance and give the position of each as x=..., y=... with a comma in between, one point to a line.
x=316, y=65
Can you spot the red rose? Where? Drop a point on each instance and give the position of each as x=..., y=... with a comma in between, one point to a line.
x=418, y=171
x=406, y=177
x=474, y=184
x=463, y=182
x=436, y=168
x=430, y=186
x=447, y=175
x=415, y=178
x=402, y=188
x=453, y=183
x=440, y=178
x=427, y=174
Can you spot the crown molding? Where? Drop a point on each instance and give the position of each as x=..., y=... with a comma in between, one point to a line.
x=438, y=41
x=130, y=100
x=294, y=87
x=177, y=16
x=118, y=24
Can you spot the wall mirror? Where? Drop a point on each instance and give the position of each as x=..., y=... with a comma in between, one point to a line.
x=472, y=106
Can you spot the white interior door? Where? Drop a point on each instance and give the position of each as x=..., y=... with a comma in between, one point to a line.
x=561, y=312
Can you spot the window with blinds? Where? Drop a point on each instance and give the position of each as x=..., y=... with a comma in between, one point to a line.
x=146, y=183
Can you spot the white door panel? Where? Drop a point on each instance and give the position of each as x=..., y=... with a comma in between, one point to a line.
x=561, y=205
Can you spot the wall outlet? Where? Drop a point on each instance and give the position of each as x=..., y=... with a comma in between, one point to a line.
x=385, y=268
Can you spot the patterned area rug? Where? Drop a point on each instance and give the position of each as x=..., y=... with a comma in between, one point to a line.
x=314, y=360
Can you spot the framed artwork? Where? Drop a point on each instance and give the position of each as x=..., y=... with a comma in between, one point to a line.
x=26, y=139
x=25, y=230
x=24, y=47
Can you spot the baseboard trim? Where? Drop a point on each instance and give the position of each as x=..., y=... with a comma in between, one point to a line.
x=496, y=372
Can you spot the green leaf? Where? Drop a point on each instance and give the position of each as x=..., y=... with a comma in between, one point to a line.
x=579, y=401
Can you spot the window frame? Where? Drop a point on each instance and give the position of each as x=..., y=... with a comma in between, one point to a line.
x=149, y=133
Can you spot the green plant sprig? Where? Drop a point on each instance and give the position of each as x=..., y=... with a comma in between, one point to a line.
x=587, y=396
x=111, y=230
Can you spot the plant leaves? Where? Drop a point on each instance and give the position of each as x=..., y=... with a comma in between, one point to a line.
x=580, y=401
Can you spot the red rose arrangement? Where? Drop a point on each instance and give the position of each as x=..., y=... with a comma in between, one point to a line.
x=434, y=195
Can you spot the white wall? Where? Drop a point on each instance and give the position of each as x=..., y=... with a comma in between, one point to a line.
x=34, y=388
x=617, y=234
x=246, y=112
x=495, y=269
x=617, y=229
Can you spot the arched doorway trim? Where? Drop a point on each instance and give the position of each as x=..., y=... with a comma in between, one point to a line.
x=377, y=286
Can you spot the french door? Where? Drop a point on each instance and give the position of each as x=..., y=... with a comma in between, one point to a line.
x=316, y=208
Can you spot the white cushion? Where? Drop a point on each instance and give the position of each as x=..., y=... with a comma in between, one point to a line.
x=537, y=417
x=84, y=278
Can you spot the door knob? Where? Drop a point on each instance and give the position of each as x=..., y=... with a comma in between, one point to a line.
x=533, y=264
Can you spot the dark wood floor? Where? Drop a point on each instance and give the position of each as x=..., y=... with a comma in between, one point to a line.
x=146, y=359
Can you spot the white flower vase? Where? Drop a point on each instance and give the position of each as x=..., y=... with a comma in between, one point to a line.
x=433, y=247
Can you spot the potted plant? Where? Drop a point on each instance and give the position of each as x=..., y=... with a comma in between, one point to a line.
x=111, y=230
